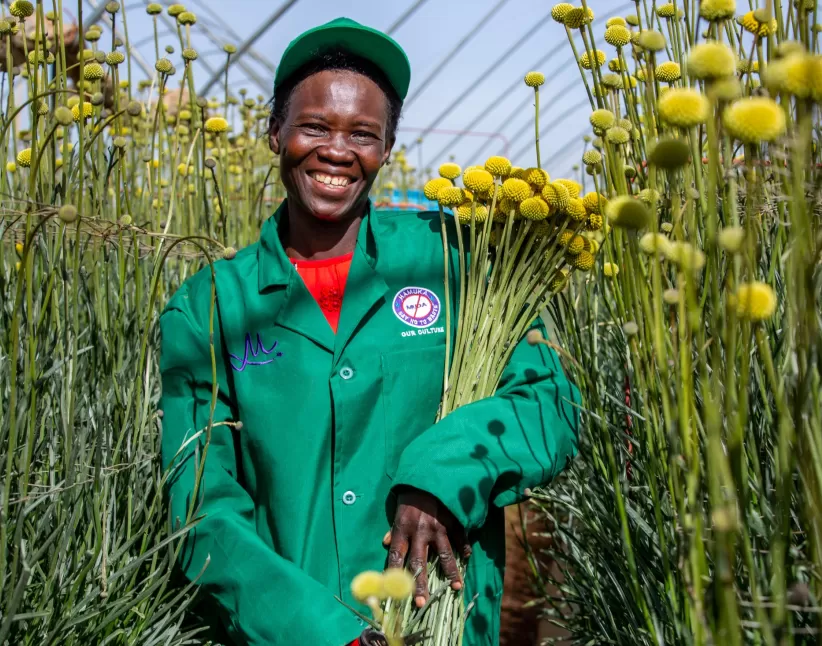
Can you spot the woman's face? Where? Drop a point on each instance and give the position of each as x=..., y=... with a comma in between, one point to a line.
x=332, y=143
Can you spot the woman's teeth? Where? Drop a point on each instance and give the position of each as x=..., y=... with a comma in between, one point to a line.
x=331, y=180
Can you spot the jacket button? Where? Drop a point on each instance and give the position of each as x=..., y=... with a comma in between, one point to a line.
x=346, y=373
x=349, y=498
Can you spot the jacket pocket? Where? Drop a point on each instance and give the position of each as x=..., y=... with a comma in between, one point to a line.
x=411, y=393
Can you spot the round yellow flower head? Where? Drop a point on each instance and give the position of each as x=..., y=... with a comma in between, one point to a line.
x=450, y=170
x=433, y=187
x=534, y=79
x=632, y=20
x=576, y=245
x=67, y=213
x=478, y=180
x=668, y=72
x=24, y=158
x=667, y=10
x=653, y=243
x=754, y=301
x=585, y=60
x=758, y=24
x=573, y=187
x=516, y=189
x=536, y=177
x=216, y=125
x=592, y=157
x=451, y=196
x=685, y=256
x=576, y=210
x=556, y=196
x=796, y=74
x=558, y=281
x=615, y=65
x=595, y=222
x=21, y=9
x=583, y=261
x=648, y=195
x=753, y=120
x=731, y=239
x=594, y=202
x=616, y=20
x=667, y=227
x=711, y=60
x=93, y=72
x=368, y=584
x=651, y=40
x=684, y=107
x=498, y=166
x=564, y=238
x=88, y=111
x=610, y=269
x=669, y=153
x=618, y=136
x=627, y=212
x=578, y=17
x=559, y=11
x=534, y=208
x=717, y=9
x=397, y=583
x=617, y=35
x=464, y=211
x=602, y=119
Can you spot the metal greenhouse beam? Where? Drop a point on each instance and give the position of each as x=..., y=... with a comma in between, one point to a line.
x=480, y=77
x=450, y=56
x=242, y=49
x=405, y=16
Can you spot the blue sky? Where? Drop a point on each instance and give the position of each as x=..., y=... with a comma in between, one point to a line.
x=498, y=104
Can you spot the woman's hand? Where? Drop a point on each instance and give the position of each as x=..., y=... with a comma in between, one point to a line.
x=422, y=521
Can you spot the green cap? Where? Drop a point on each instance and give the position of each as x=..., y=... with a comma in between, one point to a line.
x=371, y=44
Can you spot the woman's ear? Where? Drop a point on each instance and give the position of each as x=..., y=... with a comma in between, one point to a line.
x=274, y=136
x=387, y=154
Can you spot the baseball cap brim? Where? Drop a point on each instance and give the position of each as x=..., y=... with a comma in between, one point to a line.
x=371, y=44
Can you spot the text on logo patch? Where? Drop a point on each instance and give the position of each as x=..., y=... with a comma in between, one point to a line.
x=417, y=306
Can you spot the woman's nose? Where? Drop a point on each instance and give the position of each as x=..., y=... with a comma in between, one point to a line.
x=337, y=150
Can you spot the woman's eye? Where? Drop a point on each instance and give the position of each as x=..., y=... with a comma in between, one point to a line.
x=365, y=135
x=313, y=128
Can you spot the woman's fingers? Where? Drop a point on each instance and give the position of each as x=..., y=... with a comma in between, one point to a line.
x=397, y=550
x=447, y=561
x=417, y=560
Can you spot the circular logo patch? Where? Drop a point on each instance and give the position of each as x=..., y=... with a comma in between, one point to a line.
x=417, y=306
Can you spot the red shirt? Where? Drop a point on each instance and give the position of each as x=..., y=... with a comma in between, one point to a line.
x=326, y=279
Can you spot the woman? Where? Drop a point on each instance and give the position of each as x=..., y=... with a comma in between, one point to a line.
x=329, y=338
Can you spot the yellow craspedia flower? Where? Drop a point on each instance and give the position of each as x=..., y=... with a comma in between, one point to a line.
x=397, y=583
x=797, y=74
x=652, y=243
x=559, y=11
x=576, y=210
x=610, y=269
x=583, y=261
x=464, y=211
x=575, y=245
x=534, y=79
x=625, y=211
x=478, y=180
x=616, y=20
x=368, y=584
x=615, y=65
x=536, y=177
x=578, y=17
x=564, y=238
x=602, y=119
x=18, y=247
x=594, y=202
x=556, y=196
x=731, y=239
x=592, y=157
x=451, y=196
x=595, y=222
x=93, y=72
x=534, y=208
x=632, y=20
x=753, y=120
x=516, y=189
x=667, y=10
x=668, y=71
x=24, y=158
x=754, y=301
x=651, y=40
x=216, y=125
x=685, y=256
x=717, y=9
x=449, y=170
x=573, y=187
x=433, y=187
x=559, y=280
x=498, y=166
x=618, y=136
x=750, y=23
x=21, y=9
x=585, y=59
x=88, y=111
x=711, y=60
x=11, y=167
x=617, y=35
x=684, y=107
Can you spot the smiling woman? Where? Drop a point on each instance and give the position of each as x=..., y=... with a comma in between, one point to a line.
x=319, y=456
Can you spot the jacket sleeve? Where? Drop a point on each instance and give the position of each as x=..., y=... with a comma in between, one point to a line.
x=265, y=599
x=489, y=451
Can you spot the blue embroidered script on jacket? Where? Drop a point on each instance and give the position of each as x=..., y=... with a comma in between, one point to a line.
x=254, y=354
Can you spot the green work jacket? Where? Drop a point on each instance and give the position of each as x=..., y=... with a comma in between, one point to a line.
x=295, y=501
